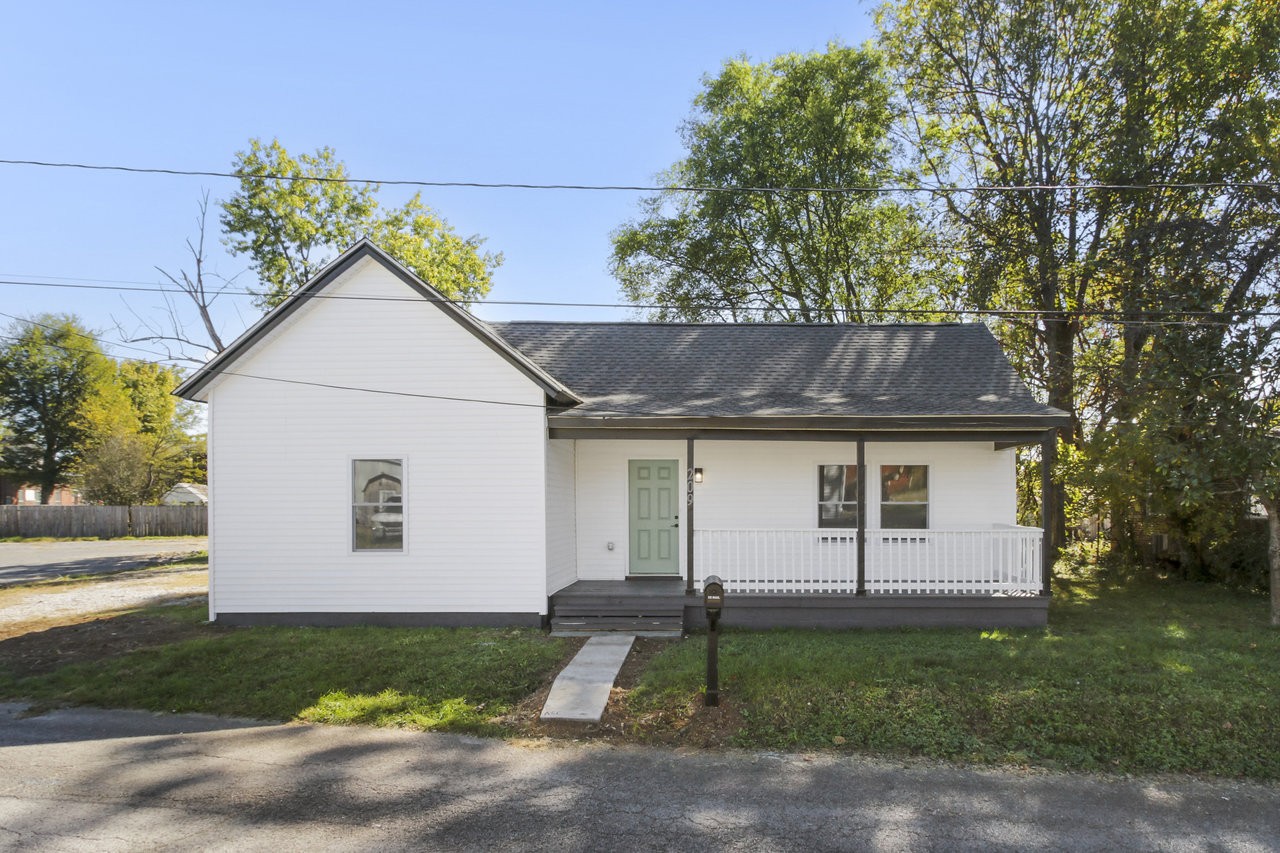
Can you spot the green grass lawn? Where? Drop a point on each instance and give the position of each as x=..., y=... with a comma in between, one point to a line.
x=426, y=678
x=1153, y=677
x=1141, y=678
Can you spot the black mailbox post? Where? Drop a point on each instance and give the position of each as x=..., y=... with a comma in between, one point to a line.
x=713, y=601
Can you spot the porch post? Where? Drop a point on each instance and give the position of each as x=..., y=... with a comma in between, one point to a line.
x=688, y=519
x=862, y=516
x=1048, y=445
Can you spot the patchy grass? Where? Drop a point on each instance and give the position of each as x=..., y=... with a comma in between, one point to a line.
x=1154, y=677
x=425, y=678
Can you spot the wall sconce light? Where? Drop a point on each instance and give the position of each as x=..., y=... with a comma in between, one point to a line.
x=697, y=475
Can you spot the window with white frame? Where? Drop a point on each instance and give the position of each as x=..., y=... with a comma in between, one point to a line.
x=904, y=497
x=377, y=504
x=837, y=496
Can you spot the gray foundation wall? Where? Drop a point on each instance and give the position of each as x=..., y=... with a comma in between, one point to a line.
x=390, y=620
x=878, y=611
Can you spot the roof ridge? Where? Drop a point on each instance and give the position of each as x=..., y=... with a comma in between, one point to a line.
x=766, y=325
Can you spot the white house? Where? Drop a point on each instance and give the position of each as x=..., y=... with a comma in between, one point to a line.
x=443, y=470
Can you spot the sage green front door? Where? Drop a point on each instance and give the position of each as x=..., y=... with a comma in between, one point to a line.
x=654, y=506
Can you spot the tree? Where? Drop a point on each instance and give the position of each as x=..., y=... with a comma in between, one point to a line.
x=819, y=120
x=201, y=288
x=290, y=216
x=137, y=451
x=49, y=371
x=1051, y=93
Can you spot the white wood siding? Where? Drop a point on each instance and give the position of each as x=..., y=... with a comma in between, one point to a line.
x=602, y=502
x=562, y=548
x=772, y=485
x=475, y=490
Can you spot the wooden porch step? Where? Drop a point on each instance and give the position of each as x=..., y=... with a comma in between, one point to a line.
x=623, y=609
x=640, y=626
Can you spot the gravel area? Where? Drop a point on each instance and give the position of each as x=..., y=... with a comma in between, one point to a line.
x=39, y=607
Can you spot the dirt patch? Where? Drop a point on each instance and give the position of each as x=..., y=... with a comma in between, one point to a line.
x=524, y=717
x=687, y=724
x=691, y=724
x=42, y=651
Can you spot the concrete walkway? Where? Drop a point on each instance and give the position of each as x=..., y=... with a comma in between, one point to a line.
x=581, y=691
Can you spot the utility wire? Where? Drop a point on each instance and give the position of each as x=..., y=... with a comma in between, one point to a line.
x=1114, y=315
x=334, y=387
x=866, y=190
x=605, y=412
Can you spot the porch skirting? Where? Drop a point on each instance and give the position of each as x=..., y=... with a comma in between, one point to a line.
x=837, y=610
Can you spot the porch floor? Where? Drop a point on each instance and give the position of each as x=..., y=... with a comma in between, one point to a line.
x=653, y=607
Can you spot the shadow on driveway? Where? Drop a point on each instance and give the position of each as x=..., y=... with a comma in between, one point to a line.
x=26, y=562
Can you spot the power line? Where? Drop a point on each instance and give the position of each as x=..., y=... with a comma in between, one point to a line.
x=331, y=386
x=1114, y=315
x=78, y=334
x=649, y=188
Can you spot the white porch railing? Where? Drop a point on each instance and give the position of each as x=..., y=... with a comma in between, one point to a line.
x=999, y=560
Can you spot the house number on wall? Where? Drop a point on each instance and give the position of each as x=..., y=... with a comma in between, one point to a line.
x=689, y=486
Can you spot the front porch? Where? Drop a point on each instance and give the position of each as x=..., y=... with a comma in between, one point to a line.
x=810, y=578
x=1004, y=560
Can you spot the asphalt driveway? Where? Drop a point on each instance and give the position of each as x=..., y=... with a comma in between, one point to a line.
x=24, y=562
x=112, y=780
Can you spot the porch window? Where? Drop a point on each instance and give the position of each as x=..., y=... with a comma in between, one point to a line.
x=377, y=504
x=837, y=496
x=904, y=497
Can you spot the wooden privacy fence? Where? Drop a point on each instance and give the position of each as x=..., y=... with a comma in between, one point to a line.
x=104, y=522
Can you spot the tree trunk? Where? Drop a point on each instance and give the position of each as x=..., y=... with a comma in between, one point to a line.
x=1272, y=505
x=48, y=480
x=1061, y=381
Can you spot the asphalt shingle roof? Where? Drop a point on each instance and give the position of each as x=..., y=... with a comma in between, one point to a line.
x=763, y=370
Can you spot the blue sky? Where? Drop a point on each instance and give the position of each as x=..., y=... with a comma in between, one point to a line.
x=539, y=93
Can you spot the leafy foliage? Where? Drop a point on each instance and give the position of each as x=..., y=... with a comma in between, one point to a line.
x=49, y=373
x=291, y=215
x=799, y=120
x=138, y=447
x=1121, y=93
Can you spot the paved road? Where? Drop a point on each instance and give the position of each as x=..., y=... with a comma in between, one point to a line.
x=103, y=781
x=23, y=562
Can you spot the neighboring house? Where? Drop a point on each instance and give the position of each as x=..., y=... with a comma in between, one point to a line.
x=450, y=471
x=186, y=493
x=21, y=493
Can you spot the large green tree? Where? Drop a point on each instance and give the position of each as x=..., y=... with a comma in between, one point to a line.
x=138, y=446
x=50, y=370
x=1044, y=94
x=818, y=120
x=291, y=215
